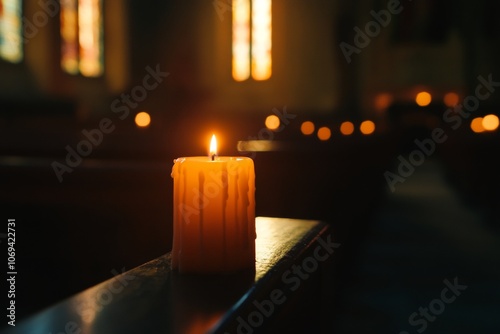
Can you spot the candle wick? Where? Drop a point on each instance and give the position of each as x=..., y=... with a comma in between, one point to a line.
x=213, y=156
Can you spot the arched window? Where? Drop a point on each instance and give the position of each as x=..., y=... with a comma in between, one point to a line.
x=81, y=35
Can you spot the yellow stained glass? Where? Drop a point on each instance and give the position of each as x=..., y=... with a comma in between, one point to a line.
x=261, y=39
x=241, y=39
x=11, y=39
x=89, y=26
x=81, y=34
x=69, y=36
x=252, y=42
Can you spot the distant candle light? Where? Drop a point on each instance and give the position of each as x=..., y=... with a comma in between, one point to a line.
x=490, y=122
x=383, y=101
x=324, y=133
x=272, y=122
x=423, y=99
x=367, y=127
x=307, y=128
x=451, y=99
x=142, y=119
x=347, y=128
x=476, y=125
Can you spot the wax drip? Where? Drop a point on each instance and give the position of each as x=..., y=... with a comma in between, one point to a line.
x=201, y=182
x=225, y=197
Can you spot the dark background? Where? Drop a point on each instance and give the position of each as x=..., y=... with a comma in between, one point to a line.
x=114, y=210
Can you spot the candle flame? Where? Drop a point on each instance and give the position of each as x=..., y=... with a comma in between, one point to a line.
x=213, y=146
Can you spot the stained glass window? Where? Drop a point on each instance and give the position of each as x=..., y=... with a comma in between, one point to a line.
x=261, y=39
x=11, y=31
x=81, y=34
x=252, y=30
x=69, y=36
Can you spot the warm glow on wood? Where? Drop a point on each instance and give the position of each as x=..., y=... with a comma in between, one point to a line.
x=241, y=39
x=261, y=39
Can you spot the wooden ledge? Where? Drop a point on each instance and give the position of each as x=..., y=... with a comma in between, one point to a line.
x=153, y=299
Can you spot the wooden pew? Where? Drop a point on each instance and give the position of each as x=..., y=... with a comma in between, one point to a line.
x=285, y=292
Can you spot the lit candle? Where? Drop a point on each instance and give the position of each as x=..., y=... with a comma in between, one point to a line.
x=214, y=213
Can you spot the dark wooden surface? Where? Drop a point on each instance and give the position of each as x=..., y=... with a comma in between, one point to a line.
x=153, y=299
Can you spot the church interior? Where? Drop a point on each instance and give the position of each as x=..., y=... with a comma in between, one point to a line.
x=379, y=118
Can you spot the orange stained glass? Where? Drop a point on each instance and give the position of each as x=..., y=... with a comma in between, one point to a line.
x=81, y=35
x=69, y=36
x=11, y=38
